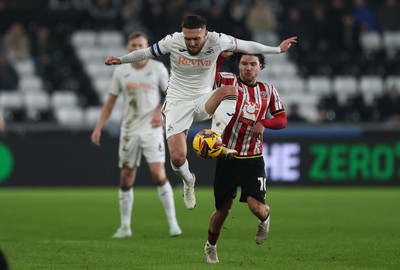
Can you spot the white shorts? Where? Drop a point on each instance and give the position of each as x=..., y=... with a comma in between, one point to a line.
x=179, y=115
x=131, y=148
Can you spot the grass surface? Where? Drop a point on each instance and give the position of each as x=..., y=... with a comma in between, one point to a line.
x=311, y=228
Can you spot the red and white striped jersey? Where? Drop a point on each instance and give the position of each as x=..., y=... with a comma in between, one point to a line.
x=254, y=102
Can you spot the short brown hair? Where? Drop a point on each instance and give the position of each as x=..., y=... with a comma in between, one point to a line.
x=136, y=35
x=260, y=57
x=194, y=21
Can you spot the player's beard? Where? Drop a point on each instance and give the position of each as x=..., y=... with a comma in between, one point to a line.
x=195, y=51
x=249, y=78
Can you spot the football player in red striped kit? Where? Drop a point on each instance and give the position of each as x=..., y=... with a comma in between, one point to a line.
x=244, y=133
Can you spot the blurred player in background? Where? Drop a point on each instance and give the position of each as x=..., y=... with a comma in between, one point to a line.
x=141, y=131
x=193, y=54
x=2, y=123
x=244, y=133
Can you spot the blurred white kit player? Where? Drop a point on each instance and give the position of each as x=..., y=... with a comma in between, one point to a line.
x=2, y=124
x=190, y=96
x=141, y=131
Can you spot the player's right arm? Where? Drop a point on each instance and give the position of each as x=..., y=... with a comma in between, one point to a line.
x=105, y=114
x=155, y=50
x=132, y=57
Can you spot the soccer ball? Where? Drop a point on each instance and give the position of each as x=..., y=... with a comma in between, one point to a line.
x=207, y=144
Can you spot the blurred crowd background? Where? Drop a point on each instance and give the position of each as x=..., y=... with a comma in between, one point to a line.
x=344, y=70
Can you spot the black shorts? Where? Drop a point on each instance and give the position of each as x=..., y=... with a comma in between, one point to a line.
x=249, y=174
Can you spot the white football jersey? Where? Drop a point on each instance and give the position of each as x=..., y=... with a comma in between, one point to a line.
x=141, y=93
x=192, y=75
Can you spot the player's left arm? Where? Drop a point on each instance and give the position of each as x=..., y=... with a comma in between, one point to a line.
x=278, y=121
x=157, y=119
x=255, y=47
x=277, y=110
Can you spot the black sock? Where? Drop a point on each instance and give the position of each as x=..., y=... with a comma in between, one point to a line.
x=212, y=237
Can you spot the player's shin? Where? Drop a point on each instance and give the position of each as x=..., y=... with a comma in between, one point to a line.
x=223, y=114
x=126, y=199
x=184, y=173
x=167, y=199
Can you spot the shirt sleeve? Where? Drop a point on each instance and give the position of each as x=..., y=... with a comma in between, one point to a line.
x=254, y=47
x=115, y=86
x=157, y=49
x=227, y=43
x=276, y=105
x=163, y=78
x=136, y=56
x=163, y=46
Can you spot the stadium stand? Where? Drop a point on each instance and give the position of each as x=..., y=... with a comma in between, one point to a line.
x=346, y=72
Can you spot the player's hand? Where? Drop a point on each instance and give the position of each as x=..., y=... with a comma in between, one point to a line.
x=225, y=54
x=156, y=121
x=96, y=137
x=257, y=131
x=111, y=60
x=285, y=45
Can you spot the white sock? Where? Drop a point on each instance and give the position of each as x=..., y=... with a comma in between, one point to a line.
x=166, y=195
x=125, y=206
x=223, y=114
x=184, y=173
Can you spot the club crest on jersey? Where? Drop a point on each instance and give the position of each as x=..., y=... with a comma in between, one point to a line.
x=210, y=50
x=264, y=95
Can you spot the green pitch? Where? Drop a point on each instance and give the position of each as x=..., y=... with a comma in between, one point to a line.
x=311, y=228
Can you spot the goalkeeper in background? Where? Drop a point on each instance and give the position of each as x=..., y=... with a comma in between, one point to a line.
x=141, y=131
x=244, y=133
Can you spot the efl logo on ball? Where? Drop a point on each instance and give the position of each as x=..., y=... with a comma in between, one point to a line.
x=207, y=144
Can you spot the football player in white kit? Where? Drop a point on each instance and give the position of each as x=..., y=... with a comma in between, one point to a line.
x=190, y=98
x=141, y=131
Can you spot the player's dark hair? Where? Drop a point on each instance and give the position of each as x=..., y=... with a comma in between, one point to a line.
x=136, y=35
x=194, y=21
x=260, y=57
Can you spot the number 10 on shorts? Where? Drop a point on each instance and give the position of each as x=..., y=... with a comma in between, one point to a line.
x=263, y=183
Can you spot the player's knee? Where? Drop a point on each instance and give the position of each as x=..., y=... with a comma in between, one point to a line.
x=230, y=90
x=224, y=212
x=178, y=160
x=226, y=208
x=125, y=186
x=126, y=182
x=158, y=177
